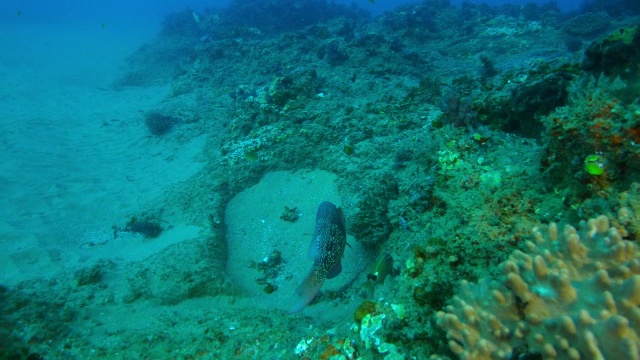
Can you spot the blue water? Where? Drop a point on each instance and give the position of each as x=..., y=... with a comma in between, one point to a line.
x=146, y=10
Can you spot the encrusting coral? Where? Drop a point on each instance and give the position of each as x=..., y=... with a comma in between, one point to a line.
x=571, y=295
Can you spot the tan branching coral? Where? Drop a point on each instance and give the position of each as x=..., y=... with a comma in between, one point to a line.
x=573, y=295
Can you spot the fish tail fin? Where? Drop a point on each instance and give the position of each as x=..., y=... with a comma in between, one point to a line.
x=307, y=291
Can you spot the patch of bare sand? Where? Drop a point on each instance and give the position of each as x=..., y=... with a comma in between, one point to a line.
x=77, y=157
x=255, y=230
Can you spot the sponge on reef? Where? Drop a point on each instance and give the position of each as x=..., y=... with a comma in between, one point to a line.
x=572, y=295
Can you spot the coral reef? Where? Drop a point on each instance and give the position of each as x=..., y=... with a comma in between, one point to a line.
x=616, y=55
x=255, y=147
x=628, y=222
x=517, y=103
x=285, y=15
x=452, y=130
x=370, y=224
x=164, y=280
x=601, y=121
x=572, y=294
x=587, y=23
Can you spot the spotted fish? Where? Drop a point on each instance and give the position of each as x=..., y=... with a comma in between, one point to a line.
x=327, y=247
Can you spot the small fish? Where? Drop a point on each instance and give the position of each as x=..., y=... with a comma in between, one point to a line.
x=382, y=269
x=251, y=155
x=103, y=25
x=327, y=248
x=18, y=13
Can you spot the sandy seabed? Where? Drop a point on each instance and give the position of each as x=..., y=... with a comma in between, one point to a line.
x=77, y=157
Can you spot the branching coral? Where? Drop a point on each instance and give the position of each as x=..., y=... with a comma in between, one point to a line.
x=571, y=295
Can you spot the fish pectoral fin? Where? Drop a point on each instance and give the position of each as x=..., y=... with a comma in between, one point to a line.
x=335, y=271
x=314, y=248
